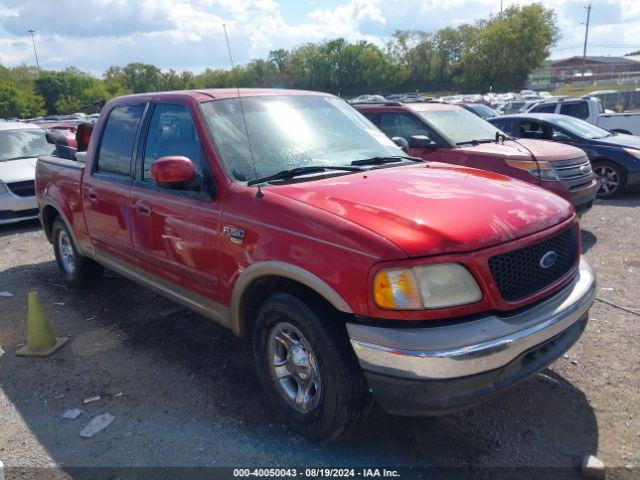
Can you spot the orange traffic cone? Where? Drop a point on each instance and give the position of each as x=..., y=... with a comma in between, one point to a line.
x=41, y=342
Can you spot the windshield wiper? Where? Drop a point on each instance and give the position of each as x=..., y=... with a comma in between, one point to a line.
x=476, y=142
x=294, y=172
x=384, y=160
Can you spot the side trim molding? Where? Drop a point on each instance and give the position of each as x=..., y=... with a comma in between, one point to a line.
x=198, y=303
x=280, y=269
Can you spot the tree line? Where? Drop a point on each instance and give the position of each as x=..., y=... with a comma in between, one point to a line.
x=497, y=53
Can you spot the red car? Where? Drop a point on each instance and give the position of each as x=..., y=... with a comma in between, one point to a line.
x=449, y=133
x=359, y=273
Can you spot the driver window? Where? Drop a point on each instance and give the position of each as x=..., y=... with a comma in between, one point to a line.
x=401, y=125
x=535, y=130
x=171, y=132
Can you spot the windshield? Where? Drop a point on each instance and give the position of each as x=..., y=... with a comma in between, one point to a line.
x=459, y=125
x=23, y=143
x=580, y=128
x=291, y=131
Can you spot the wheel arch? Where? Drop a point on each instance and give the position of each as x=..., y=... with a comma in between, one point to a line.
x=49, y=211
x=261, y=279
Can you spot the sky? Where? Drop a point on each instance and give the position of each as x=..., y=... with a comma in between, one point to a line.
x=187, y=34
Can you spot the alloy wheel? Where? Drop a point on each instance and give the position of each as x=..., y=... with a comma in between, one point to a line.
x=294, y=367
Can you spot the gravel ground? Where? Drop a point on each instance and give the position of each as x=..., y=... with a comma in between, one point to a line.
x=184, y=392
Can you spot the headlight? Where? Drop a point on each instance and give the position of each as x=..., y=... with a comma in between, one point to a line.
x=431, y=286
x=542, y=170
x=3, y=188
x=634, y=152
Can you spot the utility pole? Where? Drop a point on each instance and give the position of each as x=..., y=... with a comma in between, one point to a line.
x=586, y=37
x=34, y=49
x=501, y=5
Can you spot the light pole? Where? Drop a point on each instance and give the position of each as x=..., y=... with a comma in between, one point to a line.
x=34, y=49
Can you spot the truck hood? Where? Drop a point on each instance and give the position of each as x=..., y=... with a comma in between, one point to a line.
x=18, y=170
x=435, y=208
x=543, y=150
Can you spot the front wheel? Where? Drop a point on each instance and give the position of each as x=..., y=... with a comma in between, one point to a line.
x=308, y=369
x=78, y=271
x=611, y=178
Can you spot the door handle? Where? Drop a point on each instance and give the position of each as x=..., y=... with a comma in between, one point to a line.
x=143, y=208
x=92, y=194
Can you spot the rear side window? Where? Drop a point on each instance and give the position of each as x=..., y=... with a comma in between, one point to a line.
x=547, y=108
x=576, y=109
x=116, y=148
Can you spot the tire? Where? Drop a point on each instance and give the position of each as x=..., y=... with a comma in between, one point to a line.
x=77, y=271
x=611, y=176
x=319, y=355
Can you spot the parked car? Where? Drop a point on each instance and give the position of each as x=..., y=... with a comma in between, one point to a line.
x=512, y=107
x=615, y=157
x=480, y=110
x=290, y=219
x=20, y=145
x=451, y=134
x=591, y=110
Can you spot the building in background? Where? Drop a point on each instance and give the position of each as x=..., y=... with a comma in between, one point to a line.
x=595, y=68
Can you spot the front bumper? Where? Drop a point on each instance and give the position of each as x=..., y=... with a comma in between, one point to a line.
x=15, y=209
x=435, y=369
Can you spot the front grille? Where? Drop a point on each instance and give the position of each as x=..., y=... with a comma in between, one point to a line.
x=575, y=173
x=519, y=274
x=23, y=189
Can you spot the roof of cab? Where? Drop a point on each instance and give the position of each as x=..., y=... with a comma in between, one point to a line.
x=19, y=126
x=203, y=95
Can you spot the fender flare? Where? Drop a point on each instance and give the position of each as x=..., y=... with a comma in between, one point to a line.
x=285, y=270
x=50, y=202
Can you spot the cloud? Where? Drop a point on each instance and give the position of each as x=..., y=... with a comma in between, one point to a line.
x=187, y=34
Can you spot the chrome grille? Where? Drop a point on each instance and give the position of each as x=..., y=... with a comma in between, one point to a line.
x=575, y=173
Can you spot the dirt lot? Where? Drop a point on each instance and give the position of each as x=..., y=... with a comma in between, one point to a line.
x=190, y=396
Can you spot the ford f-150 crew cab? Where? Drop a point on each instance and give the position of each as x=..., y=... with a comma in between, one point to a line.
x=455, y=135
x=360, y=273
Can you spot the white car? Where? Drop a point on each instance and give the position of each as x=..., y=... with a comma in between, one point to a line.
x=20, y=146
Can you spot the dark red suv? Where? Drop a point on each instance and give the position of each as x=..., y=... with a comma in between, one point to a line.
x=450, y=134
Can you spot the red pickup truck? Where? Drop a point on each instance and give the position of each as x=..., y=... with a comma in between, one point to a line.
x=360, y=273
x=449, y=133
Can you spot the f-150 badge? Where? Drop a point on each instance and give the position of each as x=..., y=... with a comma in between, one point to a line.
x=236, y=235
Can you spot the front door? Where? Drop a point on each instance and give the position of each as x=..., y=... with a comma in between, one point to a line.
x=399, y=124
x=105, y=190
x=176, y=230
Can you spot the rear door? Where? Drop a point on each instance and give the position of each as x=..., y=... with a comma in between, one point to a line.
x=105, y=191
x=176, y=230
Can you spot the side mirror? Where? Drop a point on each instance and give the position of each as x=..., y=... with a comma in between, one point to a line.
x=83, y=135
x=401, y=142
x=421, y=141
x=173, y=171
x=561, y=137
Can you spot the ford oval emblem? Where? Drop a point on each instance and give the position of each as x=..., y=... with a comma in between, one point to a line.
x=549, y=259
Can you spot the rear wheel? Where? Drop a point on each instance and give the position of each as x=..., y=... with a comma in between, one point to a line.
x=308, y=369
x=77, y=271
x=611, y=178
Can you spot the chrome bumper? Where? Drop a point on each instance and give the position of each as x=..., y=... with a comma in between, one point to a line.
x=475, y=346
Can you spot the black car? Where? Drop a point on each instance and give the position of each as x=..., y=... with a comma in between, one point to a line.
x=615, y=157
x=480, y=110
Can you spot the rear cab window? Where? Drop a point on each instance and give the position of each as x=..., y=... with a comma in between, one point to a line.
x=546, y=108
x=118, y=139
x=575, y=109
